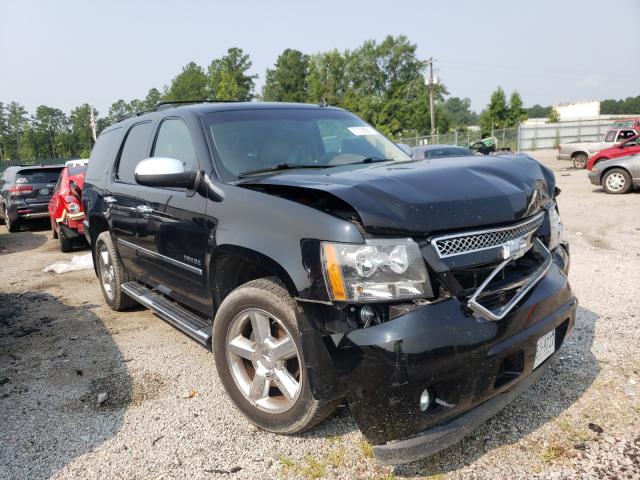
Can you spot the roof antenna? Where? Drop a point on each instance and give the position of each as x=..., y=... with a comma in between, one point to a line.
x=323, y=103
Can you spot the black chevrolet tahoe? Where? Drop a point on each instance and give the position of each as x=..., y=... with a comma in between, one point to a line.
x=321, y=264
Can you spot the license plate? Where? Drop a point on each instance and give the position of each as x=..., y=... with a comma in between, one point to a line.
x=545, y=347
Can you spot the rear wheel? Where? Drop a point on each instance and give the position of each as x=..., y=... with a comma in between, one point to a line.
x=580, y=160
x=66, y=244
x=111, y=273
x=616, y=181
x=259, y=359
x=12, y=226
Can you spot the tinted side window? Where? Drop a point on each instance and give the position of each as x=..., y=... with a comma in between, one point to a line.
x=174, y=141
x=103, y=151
x=133, y=151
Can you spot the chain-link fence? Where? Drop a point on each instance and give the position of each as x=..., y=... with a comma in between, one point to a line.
x=506, y=139
x=529, y=136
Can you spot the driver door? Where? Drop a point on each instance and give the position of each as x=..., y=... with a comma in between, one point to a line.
x=172, y=232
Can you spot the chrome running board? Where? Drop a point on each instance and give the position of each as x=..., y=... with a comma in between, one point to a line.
x=181, y=318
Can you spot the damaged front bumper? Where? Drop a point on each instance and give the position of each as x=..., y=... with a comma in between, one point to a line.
x=470, y=367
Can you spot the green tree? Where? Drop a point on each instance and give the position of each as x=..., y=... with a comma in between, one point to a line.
x=48, y=123
x=3, y=132
x=228, y=77
x=554, y=116
x=190, y=84
x=538, y=111
x=326, y=78
x=495, y=115
x=516, y=113
x=17, y=123
x=287, y=81
x=119, y=109
x=152, y=99
x=80, y=141
x=458, y=110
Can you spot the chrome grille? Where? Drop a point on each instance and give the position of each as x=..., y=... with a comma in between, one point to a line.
x=458, y=244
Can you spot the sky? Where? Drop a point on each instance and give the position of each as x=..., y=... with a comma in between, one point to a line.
x=65, y=53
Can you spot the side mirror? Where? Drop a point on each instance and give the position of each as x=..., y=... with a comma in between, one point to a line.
x=164, y=172
x=170, y=173
x=406, y=149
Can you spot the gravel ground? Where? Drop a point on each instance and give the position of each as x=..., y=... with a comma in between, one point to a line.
x=165, y=414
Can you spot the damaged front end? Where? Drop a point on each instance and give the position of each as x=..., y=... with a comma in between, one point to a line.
x=424, y=355
x=428, y=370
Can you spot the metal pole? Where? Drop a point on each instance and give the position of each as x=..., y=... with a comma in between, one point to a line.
x=433, y=116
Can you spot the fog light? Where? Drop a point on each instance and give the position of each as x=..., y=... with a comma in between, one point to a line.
x=367, y=314
x=425, y=400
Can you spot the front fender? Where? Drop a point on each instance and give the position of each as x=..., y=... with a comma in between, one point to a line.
x=282, y=230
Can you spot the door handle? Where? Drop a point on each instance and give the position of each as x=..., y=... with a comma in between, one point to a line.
x=144, y=209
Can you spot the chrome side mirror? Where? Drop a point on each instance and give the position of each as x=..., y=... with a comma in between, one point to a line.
x=164, y=172
x=170, y=173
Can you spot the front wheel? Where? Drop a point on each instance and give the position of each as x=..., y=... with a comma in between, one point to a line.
x=259, y=359
x=616, y=181
x=111, y=273
x=580, y=161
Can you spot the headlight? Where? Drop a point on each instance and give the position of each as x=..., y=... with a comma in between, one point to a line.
x=556, y=227
x=374, y=271
x=73, y=207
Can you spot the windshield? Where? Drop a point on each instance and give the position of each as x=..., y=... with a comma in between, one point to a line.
x=247, y=140
x=611, y=136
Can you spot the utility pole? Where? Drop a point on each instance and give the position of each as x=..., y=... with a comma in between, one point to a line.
x=431, y=86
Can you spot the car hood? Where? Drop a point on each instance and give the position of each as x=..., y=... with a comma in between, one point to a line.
x=429, y=195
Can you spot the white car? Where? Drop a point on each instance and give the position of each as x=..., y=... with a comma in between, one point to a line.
x=80, y=162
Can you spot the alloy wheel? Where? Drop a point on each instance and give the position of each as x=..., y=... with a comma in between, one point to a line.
x=615, y=181
x=107, y=273
x=264, y=360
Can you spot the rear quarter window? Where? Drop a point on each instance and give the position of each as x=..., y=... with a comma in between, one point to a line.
x=102, y=154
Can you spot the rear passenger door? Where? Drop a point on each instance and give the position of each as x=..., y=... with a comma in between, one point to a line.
x=173, y=233
x=121, y=197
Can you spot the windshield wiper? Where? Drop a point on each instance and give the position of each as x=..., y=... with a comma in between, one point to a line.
x=370, y=160
x=280, y=166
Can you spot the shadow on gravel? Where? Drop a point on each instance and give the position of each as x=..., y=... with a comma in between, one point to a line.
x=569, y=374
x=19, y=241
x=54, y=362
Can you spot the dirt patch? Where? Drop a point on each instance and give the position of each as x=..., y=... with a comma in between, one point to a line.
x=148, y=387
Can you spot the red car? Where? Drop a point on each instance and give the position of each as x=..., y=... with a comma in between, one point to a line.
x=65, y=208
x=630, y=146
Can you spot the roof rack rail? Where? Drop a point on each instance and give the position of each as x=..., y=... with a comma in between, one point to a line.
x=168, y=103
x=171, y=103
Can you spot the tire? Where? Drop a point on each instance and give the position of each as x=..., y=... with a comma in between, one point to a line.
x=66, y=244
x=107, y=263
x=12, y=226
x=616, y=181
x=579, y=161
x=269, y=409
x=54, y=230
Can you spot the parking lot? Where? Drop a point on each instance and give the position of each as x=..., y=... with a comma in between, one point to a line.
x=166, y=415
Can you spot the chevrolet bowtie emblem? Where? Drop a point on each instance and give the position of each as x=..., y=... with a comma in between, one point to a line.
x=515, y=248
